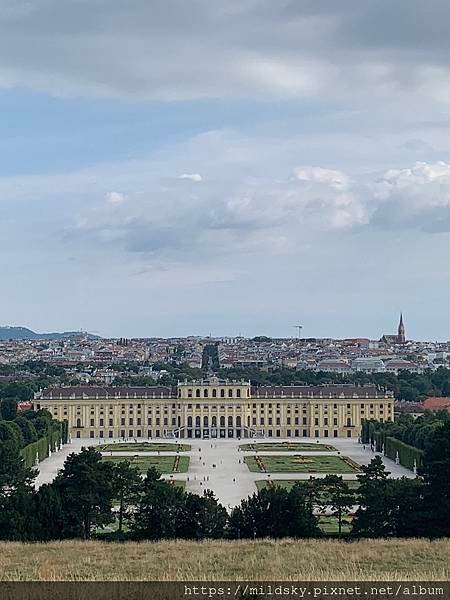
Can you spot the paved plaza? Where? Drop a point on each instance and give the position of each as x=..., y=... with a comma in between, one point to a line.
x=219, y=465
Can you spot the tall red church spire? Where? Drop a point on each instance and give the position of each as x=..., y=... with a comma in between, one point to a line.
x=401, y=331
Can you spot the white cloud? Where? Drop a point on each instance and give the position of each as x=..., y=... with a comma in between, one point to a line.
x=192, y=176
x=115, y=197
x=336, y=179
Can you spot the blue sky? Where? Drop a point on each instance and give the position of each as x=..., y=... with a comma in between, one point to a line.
x=175, y=168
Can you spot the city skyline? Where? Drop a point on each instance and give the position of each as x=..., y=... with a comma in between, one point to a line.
x=170, y=170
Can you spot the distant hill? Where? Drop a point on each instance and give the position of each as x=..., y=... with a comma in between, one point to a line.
x=22, y=333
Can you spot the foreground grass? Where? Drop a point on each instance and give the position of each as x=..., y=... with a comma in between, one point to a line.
x=301, y=464
x=164, y=464
x=221, y=560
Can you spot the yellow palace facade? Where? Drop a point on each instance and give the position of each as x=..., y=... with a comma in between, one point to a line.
x=216, y=409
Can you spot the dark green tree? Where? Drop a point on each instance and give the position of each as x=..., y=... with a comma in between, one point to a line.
x=372, y=519
x=86, y=488
x=203, y=518
x=160, y=509
x=48, y=513
x=340, y=498
x=28, y=430
x=15, y=485
x=274, y=512
x=8, y=409
x=407, y=514
x=127, y=488
x=436, y=475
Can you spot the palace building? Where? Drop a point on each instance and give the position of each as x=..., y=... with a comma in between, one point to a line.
x=216, y=409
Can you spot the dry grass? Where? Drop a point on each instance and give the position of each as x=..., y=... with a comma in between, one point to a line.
x=220, y=560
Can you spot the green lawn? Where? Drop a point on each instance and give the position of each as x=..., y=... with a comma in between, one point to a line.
x=144, y=447
x=288, y=484
x=287, y=446
x=329, y=525
x=164, y=464
x=301, y=464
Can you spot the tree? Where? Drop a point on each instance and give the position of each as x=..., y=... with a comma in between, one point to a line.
x=86, y=487
x=15, y=485
x=340, y=497
x=407, y=515
x=300, y=512
x=28, y=430
x=127, y=488
x=48, y=513
x=8, y=409
x=372, y=519
x=436, y=475
x=159, y=510
x=13, y=472
x=42, y=421
x=203, y=518
x=274, y=512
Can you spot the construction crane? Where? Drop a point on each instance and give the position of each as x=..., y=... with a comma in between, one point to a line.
x=299, y=328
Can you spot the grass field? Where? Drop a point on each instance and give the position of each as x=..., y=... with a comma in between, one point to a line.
x=287, y=447
x=287, y=484
x=301, y=464
x=143, y=447
x=164, y=464
x=382, y=560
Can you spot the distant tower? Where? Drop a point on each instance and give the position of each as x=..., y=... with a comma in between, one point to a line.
x=401, y=331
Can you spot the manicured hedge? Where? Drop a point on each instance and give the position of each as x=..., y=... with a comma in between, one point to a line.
x=29, y=452
x=406, y=454
x=375, y=433
x=52, y=440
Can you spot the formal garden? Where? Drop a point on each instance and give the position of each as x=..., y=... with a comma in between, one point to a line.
x=287, y=447
x=143, y=447
x=301, y=464
x=164, y=464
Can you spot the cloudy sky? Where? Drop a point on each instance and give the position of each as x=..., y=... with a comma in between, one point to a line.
x=174, y=167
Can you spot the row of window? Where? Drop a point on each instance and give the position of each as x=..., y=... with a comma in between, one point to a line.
x=131, y=433
x=222, y=393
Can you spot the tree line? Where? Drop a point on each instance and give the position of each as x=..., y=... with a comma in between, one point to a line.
x=412, y=387
x=90, y=497
x=406, y=386
x=417, y=432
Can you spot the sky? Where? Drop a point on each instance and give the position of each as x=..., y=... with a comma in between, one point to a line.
x=177, y=167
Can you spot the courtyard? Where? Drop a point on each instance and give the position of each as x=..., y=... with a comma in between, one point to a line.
x=219, y=465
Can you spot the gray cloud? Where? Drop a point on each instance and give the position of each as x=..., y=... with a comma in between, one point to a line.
x=181, y=50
